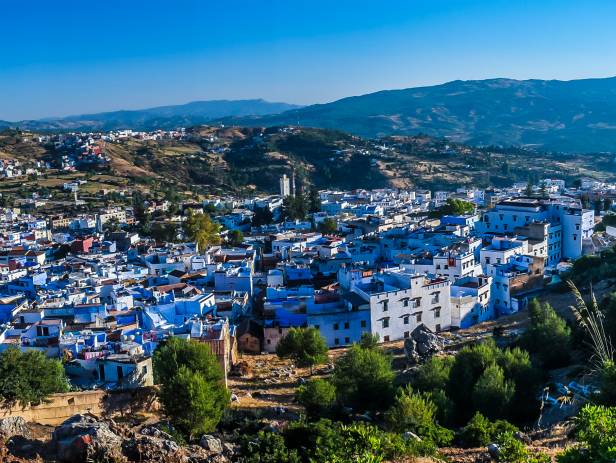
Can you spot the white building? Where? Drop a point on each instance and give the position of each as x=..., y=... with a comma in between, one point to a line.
x=400, y=301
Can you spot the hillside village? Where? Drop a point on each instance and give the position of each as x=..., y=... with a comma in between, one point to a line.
x=100, y=280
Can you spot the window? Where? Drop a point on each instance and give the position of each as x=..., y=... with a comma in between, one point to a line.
x=385, y=322
x=336, y=341
x=269, y=341
x=385, y=305
x=574, y=237
x=42, y=331
x=385, y=338
x=405, y=302
x=346, y=325
x=336, y=326
x=418, y=317
x=435, y=297
x=406, y=320
x=487, y=260
x=317, y=326
x=347, y=340
x=437, y=312
x=406, y=334
x=438, y=327
x=363, y=323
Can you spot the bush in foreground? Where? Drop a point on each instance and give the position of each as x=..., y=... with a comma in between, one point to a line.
x=415, y=412
x=327, y=441
x=595, y=430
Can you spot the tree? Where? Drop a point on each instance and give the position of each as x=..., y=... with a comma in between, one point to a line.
x=164, y=231
x=314, y=200
x=305, y=346
x=192, y=389
x=191, y=402
x=415, y=412
x=29, y=377
x=236, y=237
x=492, y=393
x=328, y=226
x=317, y=396
x=434, y=374
x=262, y=216
x=364, y=373
x=548, y=337
x=453, y=206
x=201, y=229
x=294, y=207
x=369, y=340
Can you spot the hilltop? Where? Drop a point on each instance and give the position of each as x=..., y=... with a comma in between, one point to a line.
x=571, y=116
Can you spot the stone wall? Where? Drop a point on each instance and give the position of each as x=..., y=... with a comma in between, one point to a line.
x=59, y=407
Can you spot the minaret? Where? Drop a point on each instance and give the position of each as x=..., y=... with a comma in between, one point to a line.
x=293, y=191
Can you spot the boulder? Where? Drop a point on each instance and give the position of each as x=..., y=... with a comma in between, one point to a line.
x=494, y=450
x=422, y=344
x=150, y=449
x=83, y=437
x=14, y=426
x=211, y=443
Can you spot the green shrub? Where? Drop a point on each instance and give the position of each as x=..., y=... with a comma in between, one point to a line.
x=327, y=441
x=511, y=450
x=595, y=430
x=267, y=447
x=415, y=412
x=480, y=431
x=317, y=396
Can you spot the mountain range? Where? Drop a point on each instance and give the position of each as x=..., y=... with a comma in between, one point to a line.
x=161, y=117
x=552, y=115
x=570, y=116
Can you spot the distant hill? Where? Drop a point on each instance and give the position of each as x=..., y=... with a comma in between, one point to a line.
x=162, y=117
x=571, y=116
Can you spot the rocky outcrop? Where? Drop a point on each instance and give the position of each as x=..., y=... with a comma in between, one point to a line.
x=83, y=437
x=422, y=344
x=14, y=426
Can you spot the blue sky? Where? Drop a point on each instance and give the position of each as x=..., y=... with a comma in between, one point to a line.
x=66, y=57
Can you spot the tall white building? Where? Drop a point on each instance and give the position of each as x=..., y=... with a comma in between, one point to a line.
x=285, y=186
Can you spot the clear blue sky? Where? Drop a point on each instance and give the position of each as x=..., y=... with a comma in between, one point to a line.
x=61, y=57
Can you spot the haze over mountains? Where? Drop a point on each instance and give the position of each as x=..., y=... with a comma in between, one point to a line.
x=161, y=117
x=570, y=116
